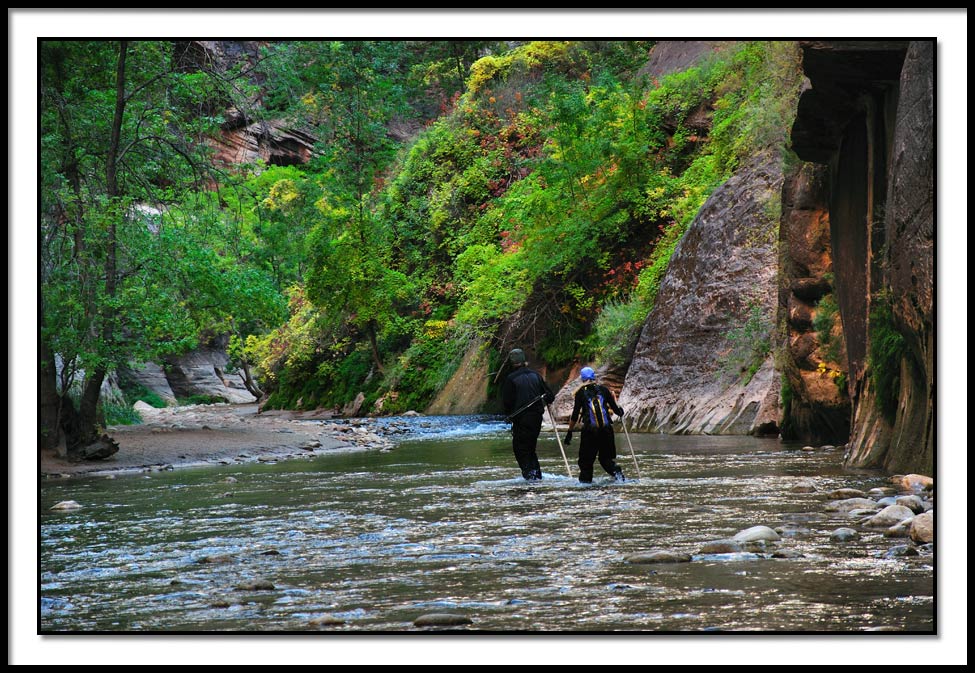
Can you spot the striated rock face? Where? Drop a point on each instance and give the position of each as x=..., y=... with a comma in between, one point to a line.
x=722, y=274
x=200, y=372
x=149, y=376
x=816, y=407
x=466, y=391
x=669, y=56
x=243, y=139
x=203, y=372
x=869, y=115
x=908, y=271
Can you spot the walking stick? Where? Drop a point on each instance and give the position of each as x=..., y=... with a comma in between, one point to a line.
x=555, y=427
x=632, y=453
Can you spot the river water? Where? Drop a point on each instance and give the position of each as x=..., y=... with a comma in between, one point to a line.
x=443, y=523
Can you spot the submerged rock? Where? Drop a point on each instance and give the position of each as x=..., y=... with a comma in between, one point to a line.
x=66, y=505
x=326, y=620
x=843, y=493
x=787, y=554
x=901, y=550
x=440, y=619
x=720, y=547
x=804, y=487
x=844, y=535
x=850, y=504
x=256, y=585
x=220, y=558
x=659, y=556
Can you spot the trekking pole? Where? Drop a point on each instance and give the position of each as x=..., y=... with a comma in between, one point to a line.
x=632, y=452
x=555, y=427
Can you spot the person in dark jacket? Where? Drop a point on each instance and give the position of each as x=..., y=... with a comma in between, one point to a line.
x=524, y=395
x=594, y=406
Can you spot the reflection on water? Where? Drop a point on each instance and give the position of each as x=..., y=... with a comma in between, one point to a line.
x=444, y=524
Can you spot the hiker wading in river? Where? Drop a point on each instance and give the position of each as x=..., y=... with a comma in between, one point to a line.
x=524, y=395
x=594, y=405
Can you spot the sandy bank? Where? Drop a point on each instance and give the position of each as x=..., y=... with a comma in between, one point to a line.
x=213, y=434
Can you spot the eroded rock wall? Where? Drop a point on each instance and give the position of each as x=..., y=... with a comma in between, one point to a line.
x=812, y=360
x=869, y=116
x=725, y=266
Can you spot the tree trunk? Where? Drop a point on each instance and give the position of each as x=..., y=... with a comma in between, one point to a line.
x=82, y=430
x=374, y=345
x=50, y=402
x=249, y=382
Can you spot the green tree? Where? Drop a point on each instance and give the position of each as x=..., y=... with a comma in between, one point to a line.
x=123, y=130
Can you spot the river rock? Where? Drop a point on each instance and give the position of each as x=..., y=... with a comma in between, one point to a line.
x=844, y=493
x=900, y=529
x=326, y=620
x=844, y=535
x=881, y=491
x=900, y=550
x=913, y=482
x=911, y=502
x=792, y=530
x=803, y=487
x=438, y=619
x=659, y=556
x=757, y=533
x=922, y=529
x=889, y=516
x=787, y=554
x=720, y=547
x=851, y=504
x=256, y=585
x=220, y=558
x=66, y=505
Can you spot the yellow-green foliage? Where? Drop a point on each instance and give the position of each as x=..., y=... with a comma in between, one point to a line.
x=555, y=188
x=522, y=60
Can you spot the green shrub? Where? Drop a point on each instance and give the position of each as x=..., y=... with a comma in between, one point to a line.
x=200, y=399
x=824, y=322
x=888, y=349
x=748, y=345
x=120, y=414
x=616, y=330
x=143, y=394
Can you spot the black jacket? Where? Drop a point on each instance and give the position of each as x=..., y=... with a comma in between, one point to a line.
x=521, y=387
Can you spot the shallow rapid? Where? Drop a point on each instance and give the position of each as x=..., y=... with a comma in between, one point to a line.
x=443, y=523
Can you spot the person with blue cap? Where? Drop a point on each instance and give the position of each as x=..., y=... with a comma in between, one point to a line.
x=524, y=395
x=595, y=406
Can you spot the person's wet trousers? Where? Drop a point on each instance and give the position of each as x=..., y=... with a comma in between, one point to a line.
x=525, y=431
x=599, y=443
